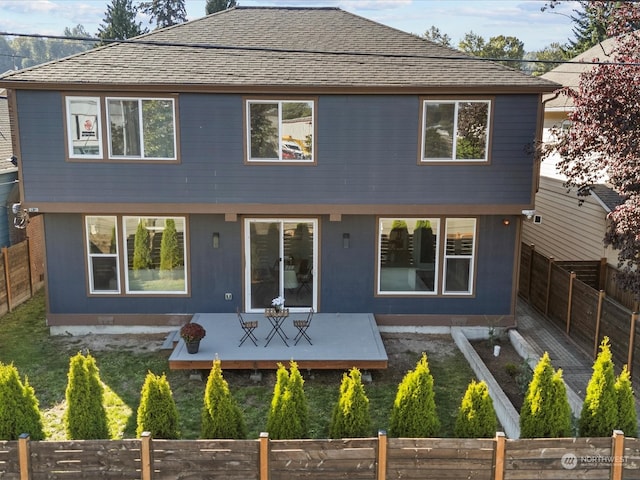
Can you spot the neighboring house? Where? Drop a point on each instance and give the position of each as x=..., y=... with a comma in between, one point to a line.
x=8, y=173
x=565, y=226
x=162, y=171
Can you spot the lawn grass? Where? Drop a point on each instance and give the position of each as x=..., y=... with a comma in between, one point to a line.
x=44, y=360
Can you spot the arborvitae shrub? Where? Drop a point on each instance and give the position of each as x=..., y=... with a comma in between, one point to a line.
x=19, y=411
x=221, y=415
x=351, y=416
x=627, y=416
x=476, y=415
x=141, y=248
x=289, y=413
x=157, y=412
x=599, y=415
x=414, y=409
x=545, y=411
x=85, y=417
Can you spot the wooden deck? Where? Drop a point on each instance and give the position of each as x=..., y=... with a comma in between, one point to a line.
x=340, y=341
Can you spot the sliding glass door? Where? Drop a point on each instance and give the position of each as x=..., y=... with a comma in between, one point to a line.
x=281, y=260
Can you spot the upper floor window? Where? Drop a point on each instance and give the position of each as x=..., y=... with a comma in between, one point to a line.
x=455, y=130
x=280, y=130
x=84, y=121
x=136, y=128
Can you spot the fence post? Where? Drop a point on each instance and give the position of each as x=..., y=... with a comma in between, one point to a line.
x=501, y=444
x=617, y=454
x=28, y=245
x=632, y=337
x=7, y=281
x=548, y=294
x=382, y=455
x=146, y=456
x=264, y=456
x=602, y=274
x=24, y=456
x=596, y=342
x=572, y=277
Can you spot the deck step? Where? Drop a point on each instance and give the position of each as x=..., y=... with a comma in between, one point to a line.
x=171, y=340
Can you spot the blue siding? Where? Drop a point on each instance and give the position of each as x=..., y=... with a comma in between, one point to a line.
x=347, y=276
x=366, y=151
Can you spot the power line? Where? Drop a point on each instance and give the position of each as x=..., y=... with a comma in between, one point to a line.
x=205, y=46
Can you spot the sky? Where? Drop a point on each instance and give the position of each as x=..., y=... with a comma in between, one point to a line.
x=520, y=18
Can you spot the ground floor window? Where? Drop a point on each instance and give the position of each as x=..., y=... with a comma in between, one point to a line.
x=153, y=258
x=411, y=260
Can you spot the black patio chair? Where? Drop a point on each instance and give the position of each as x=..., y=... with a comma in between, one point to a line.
x=248, y=326
x=302, y=326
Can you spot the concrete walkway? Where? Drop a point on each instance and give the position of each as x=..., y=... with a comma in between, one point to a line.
x=543, y=336
x=576, y=364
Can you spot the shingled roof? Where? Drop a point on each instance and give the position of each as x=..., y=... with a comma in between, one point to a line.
x=278, y=49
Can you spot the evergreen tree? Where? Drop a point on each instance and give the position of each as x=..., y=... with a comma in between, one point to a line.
x=213, y=6
x=141, y=248
x=119, y=22
x=165, y=12
x=545, y=412
x=221, y=415
x=599, y=415
x=414, y=409
x=19, y=411
x=289, y=413
x=85, y=417
x=157, y=412
x=590, y=25
x=476, y=416
x=627, y=416
x=351, y=416
x=170, y=256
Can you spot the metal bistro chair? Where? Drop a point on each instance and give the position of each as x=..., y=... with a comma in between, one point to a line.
x=248, y=327
x=302, y=326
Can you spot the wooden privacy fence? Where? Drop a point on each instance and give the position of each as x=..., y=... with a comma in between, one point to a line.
x=378, y=458
x=572, y=295
x=17, y=283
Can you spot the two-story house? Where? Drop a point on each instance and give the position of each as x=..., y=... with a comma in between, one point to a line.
x=258, y=152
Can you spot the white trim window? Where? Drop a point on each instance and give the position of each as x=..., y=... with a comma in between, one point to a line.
x=102, y=250
x=459, y=255
x=155, y=261
x=455, y=130
x=141, y=128
x=151, y=252
x=84, y=133
x=408, y=256
x=280, y=130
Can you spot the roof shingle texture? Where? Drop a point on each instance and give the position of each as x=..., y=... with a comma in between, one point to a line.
x=280, y=47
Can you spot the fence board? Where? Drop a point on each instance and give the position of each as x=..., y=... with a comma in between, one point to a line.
x=616, y=321
x=524, y=281
x=622, y=296
x=542, y=458
x=587, y=271
x=539, y=281
x=339, y=458
x=117, y=459
x=205, y=459
x=631, y=459
x=584, y=312
x=9, y=466
x=409, y=458
x=559, y=296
